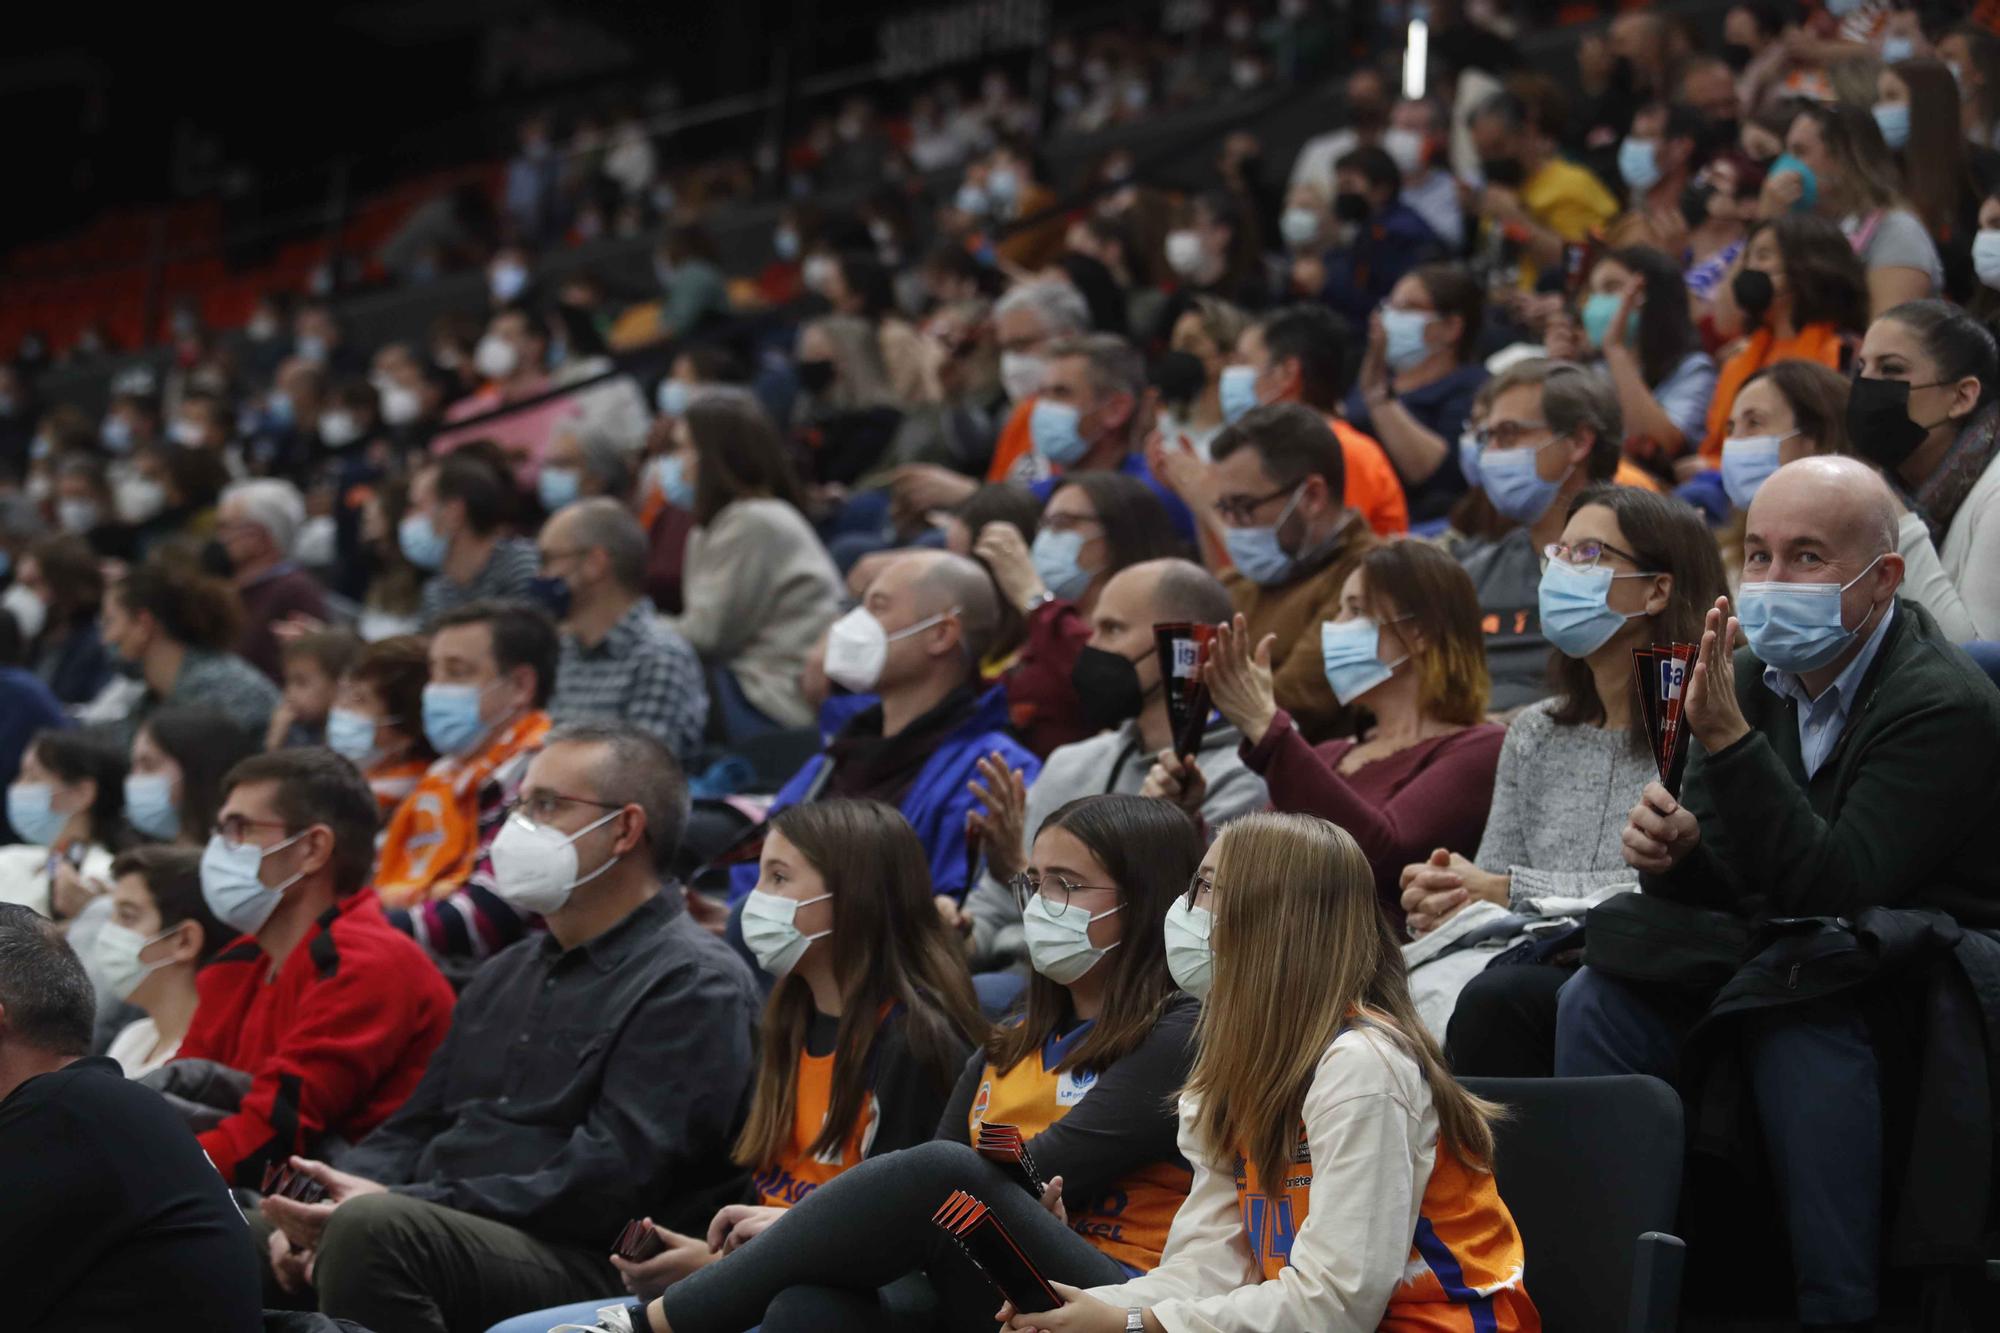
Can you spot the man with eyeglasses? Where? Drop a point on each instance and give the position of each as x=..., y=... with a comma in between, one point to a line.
x=328, y=1012
x=1278, y=478
x=1550, y=429
x=597, y=1073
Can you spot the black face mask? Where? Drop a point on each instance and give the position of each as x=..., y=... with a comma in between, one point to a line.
x=1180, y=377
x=1736, y=55
x=1107, y=688
x=1694, y=205
x=1504, y=172
x=551, y=594
x=815, y=377
x=1754, y=293
x=1351, y=207
x=215, y=560
x=1878, y=420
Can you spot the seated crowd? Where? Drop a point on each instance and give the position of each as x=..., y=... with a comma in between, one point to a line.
x=1169, y=690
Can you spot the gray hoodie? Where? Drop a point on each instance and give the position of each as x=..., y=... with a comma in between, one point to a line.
x=1111, y=761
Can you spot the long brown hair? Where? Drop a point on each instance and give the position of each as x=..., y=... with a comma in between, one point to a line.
x=1421, y=582
x=1668, y=537
x=1936, y=172
x=740, y=453
x=1301, y=952
x=1151, y=850
x=890, y=947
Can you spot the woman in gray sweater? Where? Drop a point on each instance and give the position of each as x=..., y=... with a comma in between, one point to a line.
x=1633, y=568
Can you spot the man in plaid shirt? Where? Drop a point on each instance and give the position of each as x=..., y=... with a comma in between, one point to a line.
x=621, y=664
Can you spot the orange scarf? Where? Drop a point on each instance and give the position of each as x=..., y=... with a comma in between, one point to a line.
x=1815, y=342
x=394, y=781
x=433, y=840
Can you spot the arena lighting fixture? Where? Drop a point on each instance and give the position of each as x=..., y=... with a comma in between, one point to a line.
x=1416, y=53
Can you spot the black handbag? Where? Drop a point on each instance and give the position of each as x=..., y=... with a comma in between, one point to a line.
x=1640, y=937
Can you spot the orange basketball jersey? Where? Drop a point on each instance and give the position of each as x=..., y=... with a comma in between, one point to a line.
x=798, y=1171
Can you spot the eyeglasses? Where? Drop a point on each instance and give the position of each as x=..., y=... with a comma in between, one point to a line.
x=1586, y=554
x=1201, y=886
x=1070, y=522
x=1241, y=509
x=1507, y=434
x=1054, y=889
x=540, y=807
x=235, y=829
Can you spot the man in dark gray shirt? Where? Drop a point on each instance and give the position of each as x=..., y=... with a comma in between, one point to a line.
x=592, y=1075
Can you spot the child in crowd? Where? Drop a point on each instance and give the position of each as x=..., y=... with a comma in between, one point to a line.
x=314, y=662
x=160, y=934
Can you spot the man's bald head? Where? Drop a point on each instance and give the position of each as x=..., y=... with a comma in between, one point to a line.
x=1841, y=500
x=1181, y=591
x=940, y=581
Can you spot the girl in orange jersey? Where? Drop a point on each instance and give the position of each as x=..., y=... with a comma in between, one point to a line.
x=1087, y=1075
x=1340, y=1175
x=871, y=1019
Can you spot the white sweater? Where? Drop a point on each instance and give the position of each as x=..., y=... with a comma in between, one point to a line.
x=1971, y=553
x=1373, y=1136
x=759, y=589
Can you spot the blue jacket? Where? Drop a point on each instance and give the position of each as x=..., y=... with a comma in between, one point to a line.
x=1386, y=247
x=937, y=802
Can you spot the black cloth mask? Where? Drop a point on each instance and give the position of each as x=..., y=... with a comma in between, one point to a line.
x=1107, y=688
x=1753, y=292
x=1878, y=420
x=1351, y=207
x=815, y=377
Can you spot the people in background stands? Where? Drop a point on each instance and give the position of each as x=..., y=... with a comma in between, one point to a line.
x=451, y=531
x=27, y=709
x=65, y=805
x=1844, y=760
x=864, y=1035
x=160, y=934
x=625, y=1018
x=56, y=598
x=1087, y=418
x=1124, y=693
x=1085, y=1075
x=175, y=626
x=919, y=718
x=1389, y=238
x=582, y=463
x=130, y=1226
x=173, y=791
x=485, y=712
x=621, y=663
x=1837, y=165
x=258, y=526
x=1406, y=646
x=322, y=1016
x=1631, y=568
x=377, y=720
x=1281, y=937
x=758, y=588
x=1532, y=202
x=313, y=664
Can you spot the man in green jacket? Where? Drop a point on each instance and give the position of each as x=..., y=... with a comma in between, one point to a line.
x=1848, y=758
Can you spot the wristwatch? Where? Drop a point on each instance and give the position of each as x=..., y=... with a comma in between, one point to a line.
x=1037, y=602
x=1135, y=1320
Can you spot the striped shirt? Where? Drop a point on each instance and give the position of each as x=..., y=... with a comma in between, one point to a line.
x=506, y=573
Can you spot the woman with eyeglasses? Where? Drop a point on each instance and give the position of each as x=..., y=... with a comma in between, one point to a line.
x=866, y=1031
x=1085, y=1074
x=1342, y=1178
x=1407, y=647
x=1632, y=569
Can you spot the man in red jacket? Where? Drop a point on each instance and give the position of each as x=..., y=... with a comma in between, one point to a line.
x=331, y=1011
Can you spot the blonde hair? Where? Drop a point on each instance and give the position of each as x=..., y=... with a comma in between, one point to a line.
x=1301, y=952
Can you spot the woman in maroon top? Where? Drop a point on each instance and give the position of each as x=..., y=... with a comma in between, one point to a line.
x=1407, y=647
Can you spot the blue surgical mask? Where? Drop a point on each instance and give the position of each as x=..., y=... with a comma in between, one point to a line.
x=451, y=717
x=1403, y=337
x=232, y=886
x=1576, y=614
x=558, y=486
x=421, y=544
x=1513, y=484
x=1053, y=427
x=1468, y=456
x=1893, y=118
x=1351, y=652
x=1986, y=257
x=1299, y=227
x=1256, y=552
x=1237, y=390
x=1897, y=48
x=1055, y=555
x=1796, y=626
x=1639, y=163
x=673, y=398
x=1747, y=462
x=671, y=478
x=1810, y=196
x=29, y=810
x=351, y=735
x=1599, y=309
x=149, y=805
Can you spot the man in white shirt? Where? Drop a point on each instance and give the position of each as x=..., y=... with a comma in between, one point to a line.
x=1418, y=139
x=1367, y=103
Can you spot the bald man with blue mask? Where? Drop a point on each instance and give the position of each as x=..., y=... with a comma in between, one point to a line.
x=1846, y=759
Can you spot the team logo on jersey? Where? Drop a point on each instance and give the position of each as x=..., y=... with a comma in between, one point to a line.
x=1073, y=1085
x=983, y=1099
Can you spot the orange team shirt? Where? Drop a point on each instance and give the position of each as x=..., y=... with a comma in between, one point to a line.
x=1372, y=487
x=1815, y=342
x=799, y=1171
x=1129, y=1223
x=1466, y=1260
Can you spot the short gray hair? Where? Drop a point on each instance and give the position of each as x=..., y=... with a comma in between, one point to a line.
x=605, y=458
x=636, y=770
x=604, y=524
x=1573, y=396
x=1055, y=302
x=1115, y=365
x=48, y=997
x=1187, y=592
x=273, y=505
